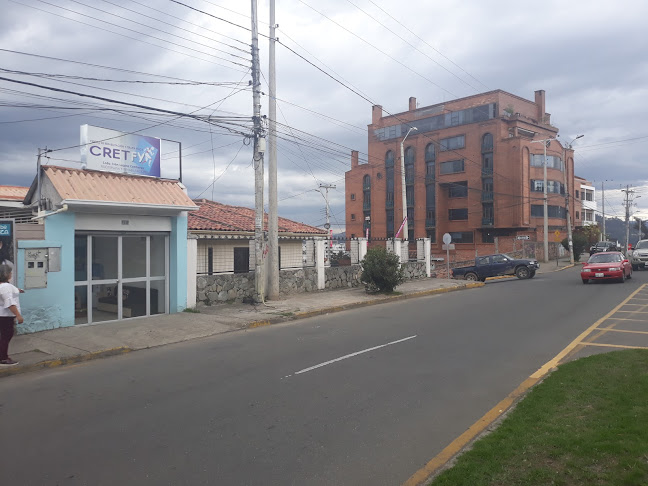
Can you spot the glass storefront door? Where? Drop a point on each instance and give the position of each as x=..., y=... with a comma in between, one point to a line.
x=127, y=276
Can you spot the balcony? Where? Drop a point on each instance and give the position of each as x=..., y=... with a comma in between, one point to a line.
x=487, y=196
x=366, y=205
x=488, y=221
x=487, y=172
x=389, y=204
x=430, y=223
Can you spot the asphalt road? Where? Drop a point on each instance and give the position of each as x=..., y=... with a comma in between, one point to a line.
x=246, y=408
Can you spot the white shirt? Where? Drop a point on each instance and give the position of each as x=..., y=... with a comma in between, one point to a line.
x=8, y=297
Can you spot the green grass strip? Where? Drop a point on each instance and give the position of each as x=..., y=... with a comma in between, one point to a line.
x=585, y=424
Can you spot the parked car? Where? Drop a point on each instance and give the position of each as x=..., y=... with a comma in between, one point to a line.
x=611, y=265
x=639, y=257
x=603, y=246
x=496, y=265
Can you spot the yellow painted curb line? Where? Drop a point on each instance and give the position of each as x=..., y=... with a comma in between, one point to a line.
x=55, y=363
x=435, y=464
x=355, y=305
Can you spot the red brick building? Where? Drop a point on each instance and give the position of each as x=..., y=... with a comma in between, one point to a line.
x=471, y=170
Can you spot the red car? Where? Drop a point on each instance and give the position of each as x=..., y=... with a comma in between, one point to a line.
x=611, y=265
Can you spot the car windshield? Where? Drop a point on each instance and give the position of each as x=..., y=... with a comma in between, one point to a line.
x=605, y=258
x=642, y=244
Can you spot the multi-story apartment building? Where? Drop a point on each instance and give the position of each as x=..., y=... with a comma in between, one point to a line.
x=585, y=206
x=473, y=169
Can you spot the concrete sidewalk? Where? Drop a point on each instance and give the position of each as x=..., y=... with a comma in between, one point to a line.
x=48, y=349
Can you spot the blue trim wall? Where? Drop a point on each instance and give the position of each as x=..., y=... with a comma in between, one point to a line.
x=178, y=264
x=51, y=307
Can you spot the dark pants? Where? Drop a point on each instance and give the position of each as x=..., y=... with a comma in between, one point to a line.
x=6, y=333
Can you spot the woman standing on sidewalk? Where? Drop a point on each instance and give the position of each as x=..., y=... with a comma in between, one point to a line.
x=9, y=313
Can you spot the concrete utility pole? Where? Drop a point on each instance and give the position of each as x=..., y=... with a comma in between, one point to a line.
x=569, y=226
x=259, y=149
x=328, y=219
x=628, y=201
x=404, y=187
x=603, y=209
x=273, y=215
x=545, y=143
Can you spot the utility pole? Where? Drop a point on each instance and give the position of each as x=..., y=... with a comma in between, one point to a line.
x=273, y=216
x=603, y=238
x=404, y=188
x=628, y=201
x=569, y=226
x=328, y=220
x=259, y=149
x=545, y=143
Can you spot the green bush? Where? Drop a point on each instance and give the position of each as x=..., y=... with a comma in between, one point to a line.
x=580, y=243
x=381, y=271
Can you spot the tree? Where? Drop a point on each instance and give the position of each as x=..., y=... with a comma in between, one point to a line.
x=592, y=233
x=381, y=270
x=580, y=243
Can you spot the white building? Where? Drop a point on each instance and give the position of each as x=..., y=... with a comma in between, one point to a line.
x=588, y=208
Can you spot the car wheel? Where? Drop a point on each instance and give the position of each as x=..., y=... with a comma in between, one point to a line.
x=471, y=276
x=522, y=273
x=585, y=281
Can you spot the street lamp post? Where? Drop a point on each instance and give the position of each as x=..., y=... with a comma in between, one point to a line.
x=570, y=240
x=403, y=188
x=545, y=142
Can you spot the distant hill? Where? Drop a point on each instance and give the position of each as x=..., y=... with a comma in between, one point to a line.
x=615, y=228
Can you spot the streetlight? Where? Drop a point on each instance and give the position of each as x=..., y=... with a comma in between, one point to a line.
x=569, y=227
x=403, y=189
x=545, y=142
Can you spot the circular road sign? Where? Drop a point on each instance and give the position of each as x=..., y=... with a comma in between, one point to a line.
x=447, y=239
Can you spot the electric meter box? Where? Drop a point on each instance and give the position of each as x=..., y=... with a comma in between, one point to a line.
x=38, y=262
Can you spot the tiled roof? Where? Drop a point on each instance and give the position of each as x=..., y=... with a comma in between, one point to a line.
x=91, y=185
x=214, y=216
x=13, y=193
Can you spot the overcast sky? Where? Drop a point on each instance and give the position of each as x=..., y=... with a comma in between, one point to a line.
x=589, y=56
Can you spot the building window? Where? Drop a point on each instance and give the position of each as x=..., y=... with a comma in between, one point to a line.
x=537, y=211
x=462, y=237
x=452, y=143
x=352, y=217
x=458, y=189
x=553, y=187
x=577, y=195
x=553, y=161
x=409, y=195
x=589, y=195
x=389, y=174
x=353, y=197
x=409, y=156
x=366, y=182
x=487, y=185
x=210, y=261
x=242, y=259
x=487, y=143
x=432, y=235
x=390, y=223
x=389, y=159
x=577, y=215
x=430, y=153
x=451, y=167
x=458, y=214
x=430, y=196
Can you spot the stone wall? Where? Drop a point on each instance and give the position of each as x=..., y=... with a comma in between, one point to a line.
x=217, y=289
x=413, y=270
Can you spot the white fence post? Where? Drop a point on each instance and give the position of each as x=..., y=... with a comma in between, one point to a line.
x=362, y=248
x=320, y=251
x=427, y=247
x=397, y=249
x=355, y=251
x=192, y=270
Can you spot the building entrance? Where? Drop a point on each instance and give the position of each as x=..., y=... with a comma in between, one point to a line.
x=120, y=276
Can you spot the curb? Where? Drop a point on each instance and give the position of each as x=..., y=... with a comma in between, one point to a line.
x=356, y=305
x=562, y=268
x=55, y=363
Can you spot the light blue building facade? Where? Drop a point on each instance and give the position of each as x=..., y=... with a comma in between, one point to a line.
x=114, y=248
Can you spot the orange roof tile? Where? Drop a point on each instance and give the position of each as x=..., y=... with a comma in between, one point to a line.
x=91, y=185
x=214, y=216
x=13, y=193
